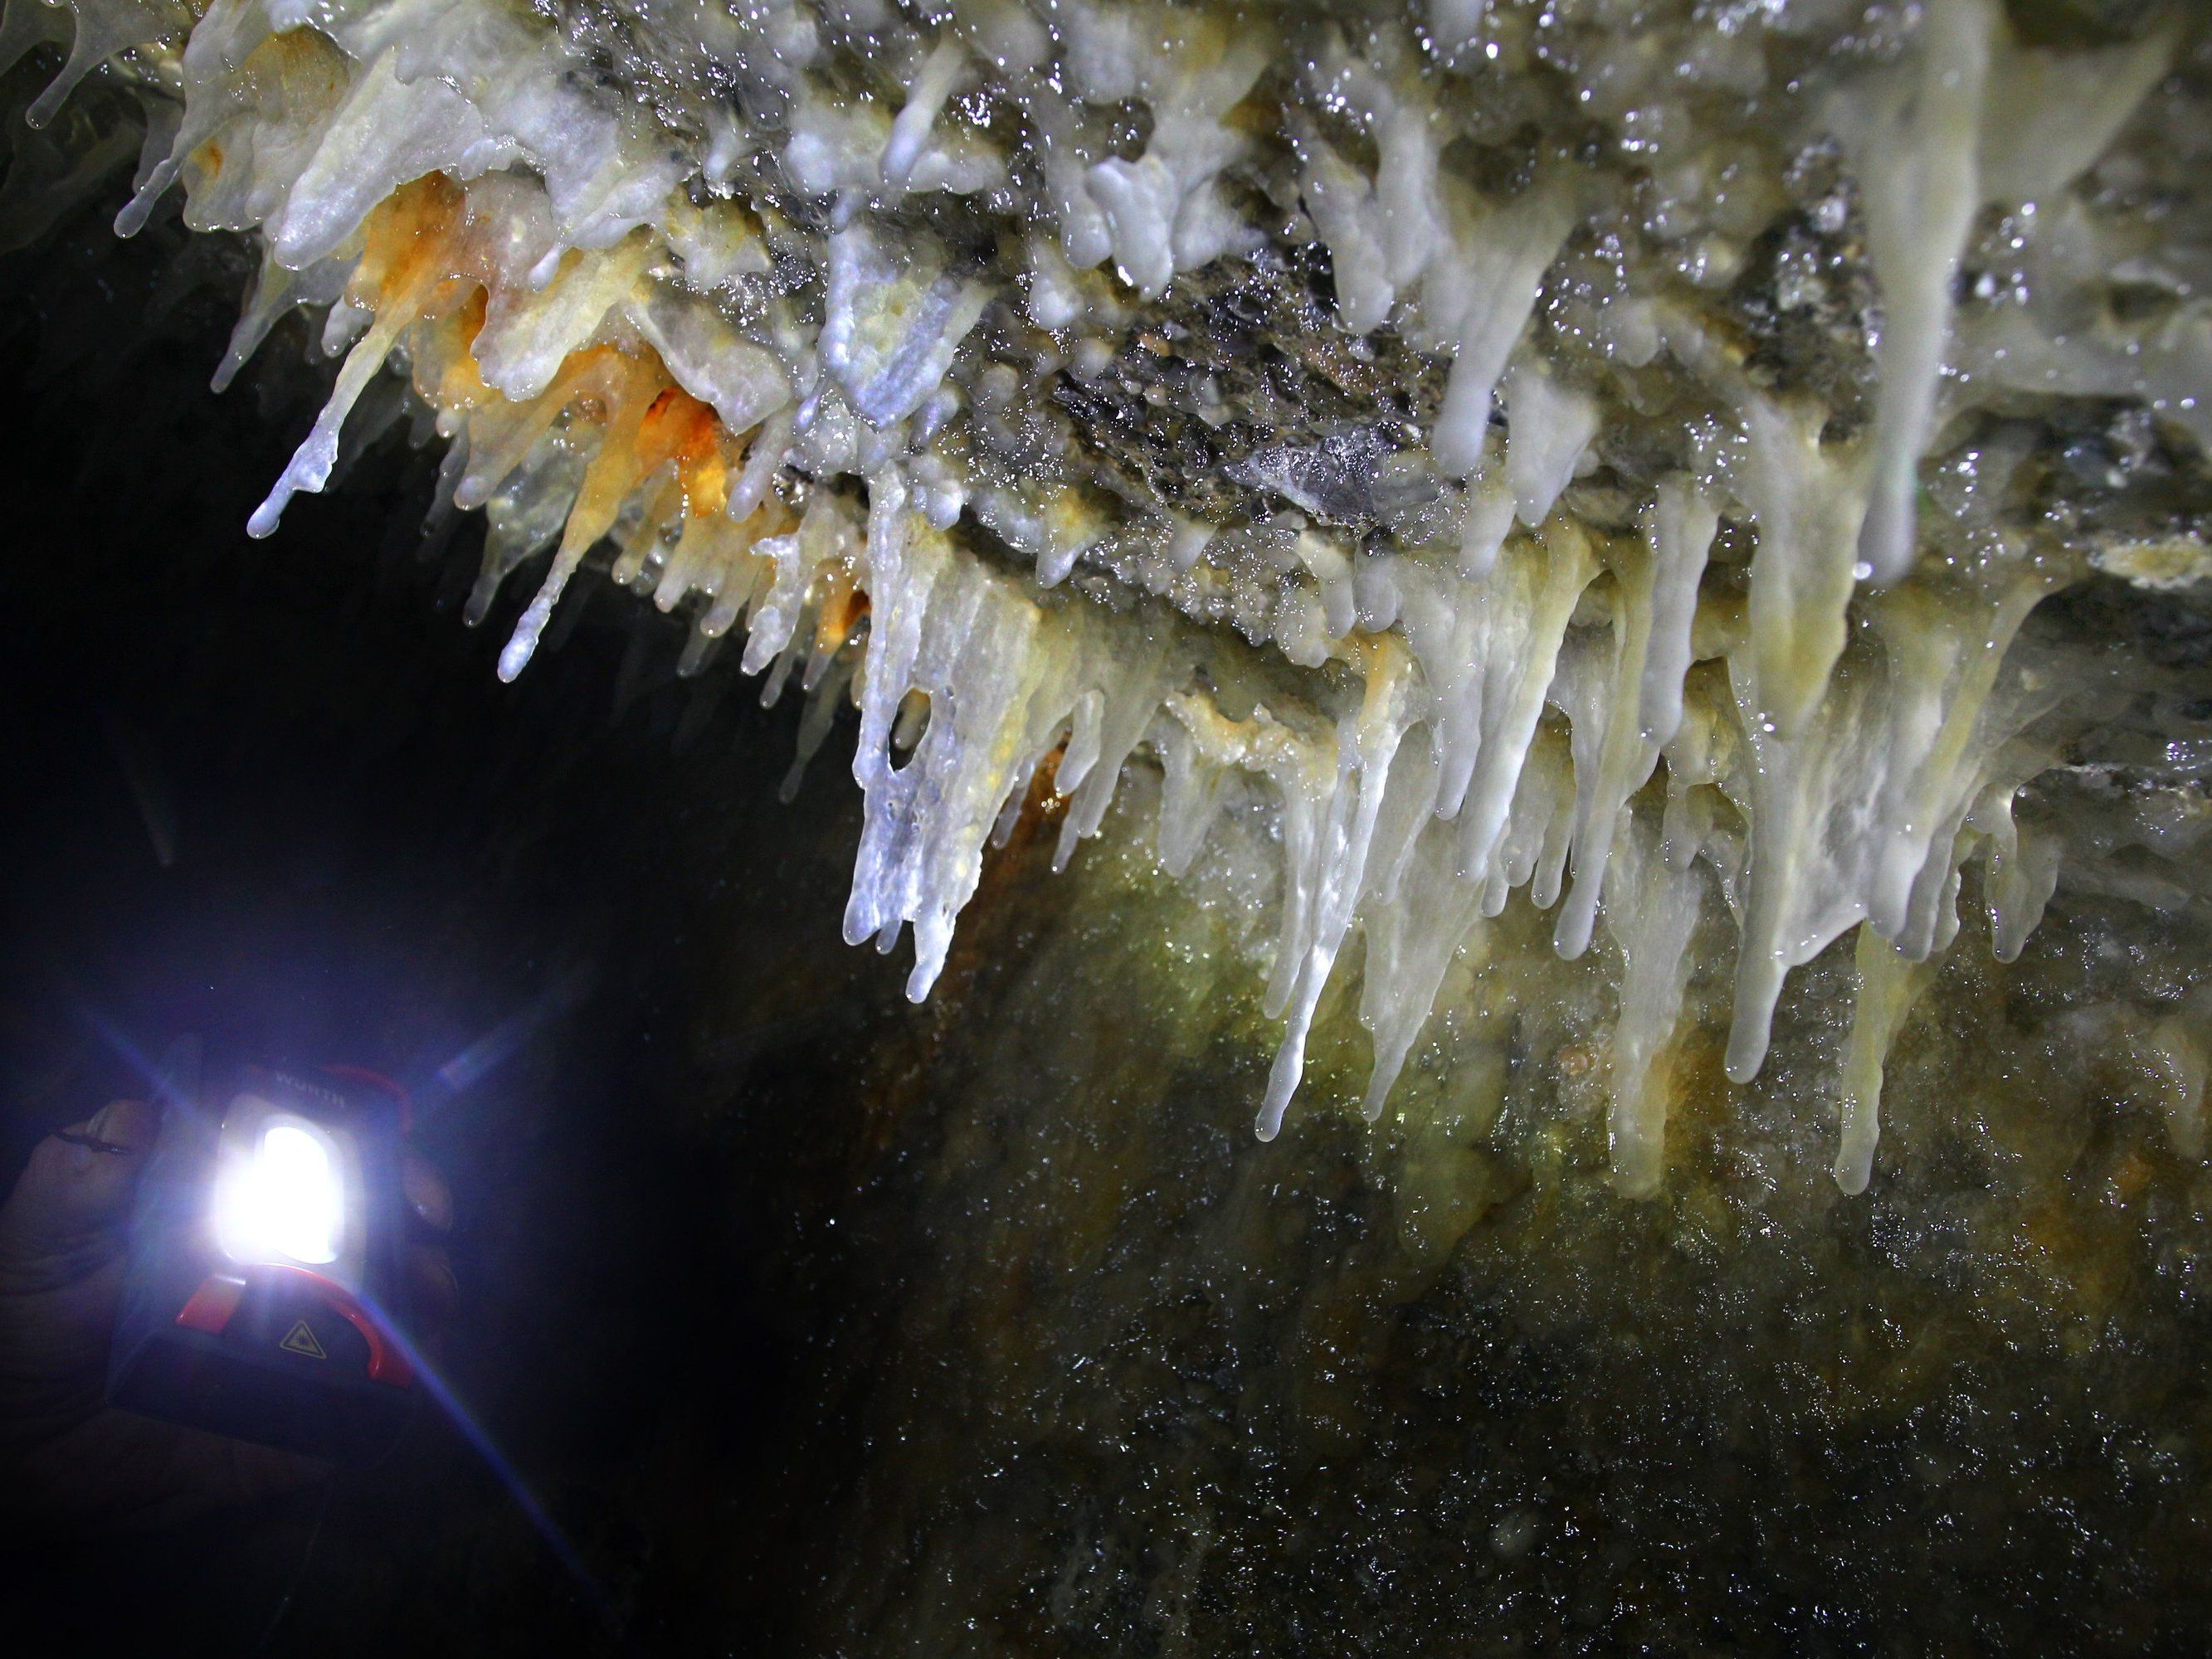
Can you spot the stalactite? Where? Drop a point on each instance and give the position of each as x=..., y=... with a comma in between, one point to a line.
x=1689, y=639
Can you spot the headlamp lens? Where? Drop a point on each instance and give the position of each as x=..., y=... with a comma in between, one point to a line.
x=284, y=1202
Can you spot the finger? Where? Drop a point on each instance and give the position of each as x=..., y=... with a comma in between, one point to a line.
x=432, y=1289
x=72, y=1188
x=429, y=1198
x=116, y=1471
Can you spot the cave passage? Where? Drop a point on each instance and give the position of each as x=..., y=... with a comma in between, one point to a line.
x=821, y=1322
x=277, y=796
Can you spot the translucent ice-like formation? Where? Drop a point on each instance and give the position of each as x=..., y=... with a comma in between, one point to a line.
x=1502, y=441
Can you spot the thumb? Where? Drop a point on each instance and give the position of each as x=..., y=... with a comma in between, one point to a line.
x=71, y=1190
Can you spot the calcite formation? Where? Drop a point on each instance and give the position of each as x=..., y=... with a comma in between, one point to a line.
x=1606, y=457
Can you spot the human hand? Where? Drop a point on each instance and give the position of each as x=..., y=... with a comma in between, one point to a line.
x=72, y=1463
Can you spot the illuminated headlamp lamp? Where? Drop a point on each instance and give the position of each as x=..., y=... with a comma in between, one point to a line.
x=286, y=1191
x=264, y=1265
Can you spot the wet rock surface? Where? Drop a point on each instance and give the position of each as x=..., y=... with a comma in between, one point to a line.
x=1113, y=1381
x=826, y=1324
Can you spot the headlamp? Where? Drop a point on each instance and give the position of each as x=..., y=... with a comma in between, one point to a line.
x=280, y=1189
x=264, y=1272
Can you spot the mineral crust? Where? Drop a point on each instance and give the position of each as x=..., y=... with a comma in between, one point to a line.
x=1488, y=456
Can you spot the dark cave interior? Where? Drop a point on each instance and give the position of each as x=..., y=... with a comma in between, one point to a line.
x=734, y=1305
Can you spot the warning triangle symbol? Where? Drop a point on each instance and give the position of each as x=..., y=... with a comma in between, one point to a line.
x=300, y=1340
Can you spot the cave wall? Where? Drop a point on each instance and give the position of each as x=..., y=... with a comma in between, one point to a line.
x=825, y=1323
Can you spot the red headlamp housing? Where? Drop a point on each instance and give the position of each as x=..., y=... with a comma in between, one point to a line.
x=263, y=1279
